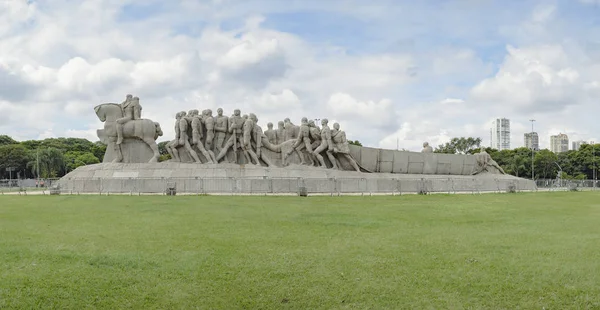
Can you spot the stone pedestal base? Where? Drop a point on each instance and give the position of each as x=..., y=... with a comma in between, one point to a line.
x=134, y=151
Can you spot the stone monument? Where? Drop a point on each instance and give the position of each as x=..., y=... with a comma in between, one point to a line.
x=236, y=147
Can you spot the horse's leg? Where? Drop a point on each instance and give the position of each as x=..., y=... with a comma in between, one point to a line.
x=117, y=148
x=152, y=144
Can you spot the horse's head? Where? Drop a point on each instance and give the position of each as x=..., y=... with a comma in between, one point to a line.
x=100, y=112
x=108, y=111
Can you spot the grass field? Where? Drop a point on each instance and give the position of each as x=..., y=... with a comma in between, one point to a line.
x=493, y=251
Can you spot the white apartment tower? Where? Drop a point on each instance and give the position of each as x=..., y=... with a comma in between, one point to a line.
x=501, y=134
x=532, y=141
x=577, y=144
x=559, y=143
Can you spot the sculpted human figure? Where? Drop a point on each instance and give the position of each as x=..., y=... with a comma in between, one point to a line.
x=209, y=123
x=485, y=161
x=131, y=111
x=280, y=132
x=315, y=134
x=303, y=141
x=195, y=122
x=271, y=133
x=248, y=129
x=220, y=130
x=236, y=122
x=183, y=137
x=172, y=145
x=291, y=130
x=261, y=141
x=426, y=148
x=326, y=145
x=340, y=145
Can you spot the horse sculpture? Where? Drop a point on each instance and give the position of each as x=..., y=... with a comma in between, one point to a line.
x=142, y=129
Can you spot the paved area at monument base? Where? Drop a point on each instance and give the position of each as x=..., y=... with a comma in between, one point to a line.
x=250, y=179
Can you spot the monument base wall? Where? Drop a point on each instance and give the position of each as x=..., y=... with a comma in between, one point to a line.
x=250, y=179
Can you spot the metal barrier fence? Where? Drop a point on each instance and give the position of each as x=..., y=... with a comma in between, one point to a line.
x=282, y=186
x=563, y=184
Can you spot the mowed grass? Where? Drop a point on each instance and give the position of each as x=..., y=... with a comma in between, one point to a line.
x=493, y=251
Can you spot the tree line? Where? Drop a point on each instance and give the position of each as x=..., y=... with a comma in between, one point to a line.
x=55, y=157
x=574, y=164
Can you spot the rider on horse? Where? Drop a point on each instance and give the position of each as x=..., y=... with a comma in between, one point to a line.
x=132, y=110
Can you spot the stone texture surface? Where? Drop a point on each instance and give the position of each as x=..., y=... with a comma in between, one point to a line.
x=251, y=179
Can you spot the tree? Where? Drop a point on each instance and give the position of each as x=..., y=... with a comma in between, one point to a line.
x=76, y=159
x=545, y=164
x=355, y=142
x=51, y=163
x=460, y=145
x=13, y=156
x=5, y=140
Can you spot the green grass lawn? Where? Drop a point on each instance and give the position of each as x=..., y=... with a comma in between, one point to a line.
x=493, y=251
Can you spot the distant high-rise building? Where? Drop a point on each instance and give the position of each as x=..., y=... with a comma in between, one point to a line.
x=532, y=141
x=577, y=144
x=559, y=143
x=501, y=134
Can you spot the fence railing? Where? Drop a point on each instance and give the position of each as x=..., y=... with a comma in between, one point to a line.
x=278, y=186
x=563, y=184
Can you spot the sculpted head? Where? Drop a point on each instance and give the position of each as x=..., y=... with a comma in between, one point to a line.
x=245, y=116
x=324, y=122
x=208, y=112
x=192, y=113
x=220, y=112
x=128, y=97
x=280, y=124
x=237, y=112
x=311, y=123
x=253, y=117
x=336, y=126
x=304, y=120
x=286, y=120
x=270, y=125
x=425, y=144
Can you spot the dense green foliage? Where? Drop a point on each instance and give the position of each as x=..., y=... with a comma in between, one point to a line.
x=460, y=145
x=493, y=251
x=574, y=164
x=51, y=157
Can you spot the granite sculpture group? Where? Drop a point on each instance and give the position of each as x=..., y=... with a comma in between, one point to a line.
x=203, y=138
x=232, y=154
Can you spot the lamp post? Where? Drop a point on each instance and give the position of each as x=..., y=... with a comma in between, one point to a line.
x=593, y=162
x=37, y=164
x=532, y=149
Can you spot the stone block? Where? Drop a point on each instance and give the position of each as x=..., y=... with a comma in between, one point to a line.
x=369, y=158
x=400, y=164
x=416, y=163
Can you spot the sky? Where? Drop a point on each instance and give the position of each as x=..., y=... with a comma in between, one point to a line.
x=392, y=73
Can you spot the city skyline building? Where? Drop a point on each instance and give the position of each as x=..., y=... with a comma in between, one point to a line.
x=532, y=140
x=577, y=144
x=500, y=134
x=559, y=143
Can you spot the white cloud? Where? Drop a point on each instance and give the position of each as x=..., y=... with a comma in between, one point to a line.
x=532, y=79
x=58, y=60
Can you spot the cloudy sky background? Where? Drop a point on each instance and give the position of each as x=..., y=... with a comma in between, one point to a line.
x=384, y=69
